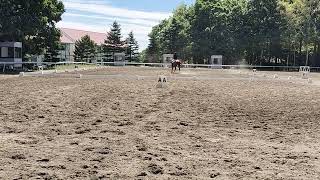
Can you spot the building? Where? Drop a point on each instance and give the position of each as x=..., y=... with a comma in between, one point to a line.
x=11, y=52
x=69, y=38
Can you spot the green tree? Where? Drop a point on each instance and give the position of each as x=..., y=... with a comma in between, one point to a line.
x=217, y=27
x=113, y=43
x=132, y=49
x=52, y=45
x=33, y=23
x=153, y=51
x=85, y=49
x=265, y=21
x=143, y=56
x=258, y=31
x=170, y=36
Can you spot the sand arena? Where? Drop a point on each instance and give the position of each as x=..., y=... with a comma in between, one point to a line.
x=113, y=123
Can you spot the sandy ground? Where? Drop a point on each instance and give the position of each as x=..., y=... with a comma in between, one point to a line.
x=105, y=128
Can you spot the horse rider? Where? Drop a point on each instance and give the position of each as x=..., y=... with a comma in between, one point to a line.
x=175, y=62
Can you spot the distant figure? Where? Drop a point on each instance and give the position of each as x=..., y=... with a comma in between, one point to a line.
x=175, y=62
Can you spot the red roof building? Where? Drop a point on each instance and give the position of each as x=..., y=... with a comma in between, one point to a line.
x=70, y=36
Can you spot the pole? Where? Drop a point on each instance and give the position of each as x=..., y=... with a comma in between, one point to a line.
x=294, y=57
x=288, y=60
x=308, y=28
x=307, y=56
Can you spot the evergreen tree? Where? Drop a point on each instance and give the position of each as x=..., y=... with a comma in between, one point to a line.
x=132, y=49
x=52, y=45
x=113, y=43
x=153, y=50
x=85, y=49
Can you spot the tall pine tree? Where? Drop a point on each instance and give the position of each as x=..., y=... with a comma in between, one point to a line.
x=113, y=44
x=132, y=50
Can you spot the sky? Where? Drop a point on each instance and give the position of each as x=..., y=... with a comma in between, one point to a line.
x=138, y=16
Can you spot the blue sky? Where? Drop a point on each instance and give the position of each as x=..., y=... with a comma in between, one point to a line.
x=134, y=15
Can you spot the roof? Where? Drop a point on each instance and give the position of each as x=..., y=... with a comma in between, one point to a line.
x=70, y=36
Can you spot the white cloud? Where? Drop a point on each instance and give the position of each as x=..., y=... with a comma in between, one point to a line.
x=86, y=1
x=100, y=12
x=108, y=10
x=81, y=26
x=120, y=20
x=140, y=32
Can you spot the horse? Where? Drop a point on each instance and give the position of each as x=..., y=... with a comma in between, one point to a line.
x=174, y=65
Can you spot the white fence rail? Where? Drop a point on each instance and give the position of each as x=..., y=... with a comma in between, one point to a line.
x=7, y=65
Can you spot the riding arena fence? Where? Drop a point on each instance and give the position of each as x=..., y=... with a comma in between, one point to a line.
x=36, y=66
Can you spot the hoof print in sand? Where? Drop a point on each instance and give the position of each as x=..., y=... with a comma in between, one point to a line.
x=142, y=174
x=214, y=175
x=142, y=148
x=43, y=160
x=183, y=124
x=105, y=150
x=18, y=156
x=83, y=131
x=155, y=169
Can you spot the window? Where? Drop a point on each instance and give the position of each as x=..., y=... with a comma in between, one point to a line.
x=4, y=52
x=215, y=61
x=10, y=52
x=17, y=52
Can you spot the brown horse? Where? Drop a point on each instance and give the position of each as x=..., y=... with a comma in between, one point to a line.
x=175, y=64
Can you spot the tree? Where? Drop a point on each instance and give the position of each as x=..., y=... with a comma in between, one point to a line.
x=170, y=36
x=113, y=43
x=153, y=51
x=258, y=31
x=52, y=45
x=217, y=27
x=266, y=22
x=85, y=49
x=143, y=56
x=132, y=49
x=33, y=23
x=301, y=36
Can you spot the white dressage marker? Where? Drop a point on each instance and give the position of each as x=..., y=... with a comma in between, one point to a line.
x=305, y=71
x=40, y=68
x=290, y=78
x=275, y=76
x=21, y=74
x=79, y=76
x=162, y=81
x=216, y=62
